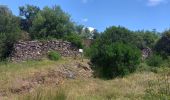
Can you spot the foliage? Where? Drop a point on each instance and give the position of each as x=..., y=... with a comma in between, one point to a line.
x=87, y=52
x=53, y=55
x=27, y=14
x=79, y=29
x=154, y=60
x=9, y=31
x=140, y=39
x=162, y=46
x=96, y=34
x=146, y=39
x=86, y=33
x=113, y=55
x=116, y=59
x=52, y=22
x=75, y=39
x=2, y=45
x=118, y=34
x=143, y=67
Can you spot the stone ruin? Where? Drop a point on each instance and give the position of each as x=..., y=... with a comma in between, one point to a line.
x=34, y=50
x=146, y=52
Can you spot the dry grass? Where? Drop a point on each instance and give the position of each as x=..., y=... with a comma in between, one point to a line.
x=12, y=74
x=132, y=87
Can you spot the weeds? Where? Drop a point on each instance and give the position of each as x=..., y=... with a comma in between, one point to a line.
x=41, y=94
x=158, y=89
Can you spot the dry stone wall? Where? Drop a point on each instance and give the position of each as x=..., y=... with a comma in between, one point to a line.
x=33, y=50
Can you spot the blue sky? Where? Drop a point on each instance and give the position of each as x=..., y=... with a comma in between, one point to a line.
x=133, y=14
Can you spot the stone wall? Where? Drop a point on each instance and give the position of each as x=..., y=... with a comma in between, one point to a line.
x=32, y=50
x=146, y=52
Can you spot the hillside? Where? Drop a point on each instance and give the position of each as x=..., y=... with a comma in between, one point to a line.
x=70, y=79
x=46, y=55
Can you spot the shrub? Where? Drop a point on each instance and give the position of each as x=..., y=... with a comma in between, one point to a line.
x=116, y=59
x=75, y=39
x=53, y=55
x=154, y=60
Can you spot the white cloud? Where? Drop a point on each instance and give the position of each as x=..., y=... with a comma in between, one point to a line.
x=85, y=20
x=155, y=2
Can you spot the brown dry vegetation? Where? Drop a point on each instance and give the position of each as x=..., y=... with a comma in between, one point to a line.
x=49, y=80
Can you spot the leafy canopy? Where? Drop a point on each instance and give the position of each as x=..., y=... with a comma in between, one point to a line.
x=9, y=31
x=162, y=46
x=27, y=14
x=53, y=22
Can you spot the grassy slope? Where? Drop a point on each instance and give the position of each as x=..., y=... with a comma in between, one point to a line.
x=132, y=87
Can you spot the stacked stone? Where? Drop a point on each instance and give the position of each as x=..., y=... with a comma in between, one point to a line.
x=31, y=50
x=146, y=52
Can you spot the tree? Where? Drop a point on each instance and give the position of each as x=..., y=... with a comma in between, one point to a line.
x=79, y=29
x=146, y=38
x=86, y=33
x=162, y=46
x=8, y=22
x=51, y=22
x=9, y=31
x=96, y=34
x=28, y=14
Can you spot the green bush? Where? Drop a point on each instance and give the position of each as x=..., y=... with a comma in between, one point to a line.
x=75, y=39
x=53, y=55
x=116, y=59
x=155, y=60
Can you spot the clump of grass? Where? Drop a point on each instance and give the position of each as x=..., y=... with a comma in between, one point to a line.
x=47, y=94
x=53, y=55
x=158, y=89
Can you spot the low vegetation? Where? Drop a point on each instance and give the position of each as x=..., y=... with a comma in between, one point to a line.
x=53, y=55
x=155, y=60
x=139, y=86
